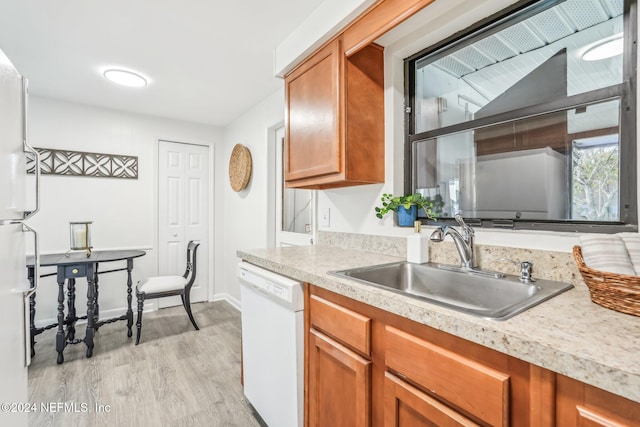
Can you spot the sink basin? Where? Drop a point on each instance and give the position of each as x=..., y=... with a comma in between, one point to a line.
x=484, y=294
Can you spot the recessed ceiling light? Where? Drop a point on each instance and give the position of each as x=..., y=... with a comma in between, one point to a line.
x=125, y=78
x=605, y=49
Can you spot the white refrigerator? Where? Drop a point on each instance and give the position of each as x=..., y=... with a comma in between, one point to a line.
x=14, y=234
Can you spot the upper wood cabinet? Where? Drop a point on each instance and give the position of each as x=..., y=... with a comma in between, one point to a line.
x=378, y=20
x=335, y=119
x=334, y=104
x=549, y=130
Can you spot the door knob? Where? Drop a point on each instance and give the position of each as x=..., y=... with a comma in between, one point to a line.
x=175, y=235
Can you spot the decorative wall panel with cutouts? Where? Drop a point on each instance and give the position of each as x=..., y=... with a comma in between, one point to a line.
x=79, y=163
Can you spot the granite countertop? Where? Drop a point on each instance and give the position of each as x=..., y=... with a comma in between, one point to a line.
x=568, y=334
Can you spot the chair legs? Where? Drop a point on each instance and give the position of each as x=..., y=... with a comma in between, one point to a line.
x=187, y=306
x=139, y=321
x=186, y=303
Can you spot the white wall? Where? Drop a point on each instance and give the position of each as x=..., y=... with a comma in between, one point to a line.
x=124, y=211
x=241, y=217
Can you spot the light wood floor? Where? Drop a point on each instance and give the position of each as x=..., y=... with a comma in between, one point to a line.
x=176, y=376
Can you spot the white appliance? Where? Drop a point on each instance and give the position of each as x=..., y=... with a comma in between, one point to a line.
x=272, y=345
x=14, y=286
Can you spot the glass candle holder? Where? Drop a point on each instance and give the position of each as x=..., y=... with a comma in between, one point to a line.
x=80, y=235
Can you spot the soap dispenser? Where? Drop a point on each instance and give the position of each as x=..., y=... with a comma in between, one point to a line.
x=417, y=245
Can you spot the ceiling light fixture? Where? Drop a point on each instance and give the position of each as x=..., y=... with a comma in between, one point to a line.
x=605, y=49
x=125, y=78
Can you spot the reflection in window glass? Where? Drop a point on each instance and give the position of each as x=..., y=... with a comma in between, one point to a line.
x=558, y=166
x=595, y=177
x=296, y=210
x=490, y=75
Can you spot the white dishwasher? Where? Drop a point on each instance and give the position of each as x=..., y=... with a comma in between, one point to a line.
x=272, y=344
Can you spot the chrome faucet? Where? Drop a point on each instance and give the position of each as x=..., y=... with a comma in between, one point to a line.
x=463, y=240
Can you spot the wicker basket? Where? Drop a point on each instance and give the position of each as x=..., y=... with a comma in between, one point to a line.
x=239, y=167
x=618, y=292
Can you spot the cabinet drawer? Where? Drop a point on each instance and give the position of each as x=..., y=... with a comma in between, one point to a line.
x=346, y=326
x=468, y=385
x=72, y=271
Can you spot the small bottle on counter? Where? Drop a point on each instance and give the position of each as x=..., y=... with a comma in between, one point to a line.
x=417, y=245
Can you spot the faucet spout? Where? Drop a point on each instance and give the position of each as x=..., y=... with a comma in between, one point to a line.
x=464, y=241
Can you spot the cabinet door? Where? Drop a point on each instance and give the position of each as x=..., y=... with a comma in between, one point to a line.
x=406, y=406
x=581, y=405
x=312, y=113
x=339, y=393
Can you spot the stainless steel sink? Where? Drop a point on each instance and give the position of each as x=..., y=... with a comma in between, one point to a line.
x=488, y=295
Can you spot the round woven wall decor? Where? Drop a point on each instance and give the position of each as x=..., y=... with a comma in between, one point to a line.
x=239, y=167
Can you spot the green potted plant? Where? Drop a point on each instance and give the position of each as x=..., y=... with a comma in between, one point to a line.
x=406, y=206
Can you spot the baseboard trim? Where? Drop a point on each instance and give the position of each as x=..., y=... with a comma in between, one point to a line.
x=235, y=303
x=149, y=306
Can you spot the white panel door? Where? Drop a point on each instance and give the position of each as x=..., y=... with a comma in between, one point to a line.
x=171, y=199
x=183, y=199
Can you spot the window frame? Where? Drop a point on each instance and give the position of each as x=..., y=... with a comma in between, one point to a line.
x=625, y=91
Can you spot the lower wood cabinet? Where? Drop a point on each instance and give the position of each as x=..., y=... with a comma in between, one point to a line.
x=408, y=406
x=582, y=405
x=367, y=367
x=460, y=382
x=338, y=373
x=339, y=388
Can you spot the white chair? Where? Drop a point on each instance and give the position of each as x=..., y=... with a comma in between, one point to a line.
x=168, y=286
